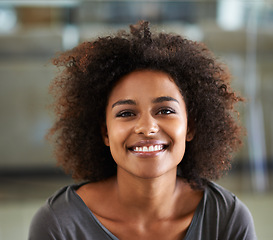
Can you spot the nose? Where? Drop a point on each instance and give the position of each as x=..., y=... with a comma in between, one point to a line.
x=146, y=125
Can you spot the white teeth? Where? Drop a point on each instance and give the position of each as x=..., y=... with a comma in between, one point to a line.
x=152, y=148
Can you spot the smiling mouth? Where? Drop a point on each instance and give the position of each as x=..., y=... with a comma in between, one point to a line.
x=148, y=149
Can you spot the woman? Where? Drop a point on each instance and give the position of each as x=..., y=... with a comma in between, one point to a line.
x=147, y=122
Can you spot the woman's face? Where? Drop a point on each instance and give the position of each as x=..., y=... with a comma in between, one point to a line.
x=146, y=124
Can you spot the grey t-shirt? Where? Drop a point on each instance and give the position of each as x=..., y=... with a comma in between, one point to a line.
x=220, y=215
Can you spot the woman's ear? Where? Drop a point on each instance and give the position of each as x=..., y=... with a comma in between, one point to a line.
x=190, y=131
x=104, y=134
x=190, y=135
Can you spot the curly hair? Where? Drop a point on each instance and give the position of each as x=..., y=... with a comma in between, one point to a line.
x=89, y=72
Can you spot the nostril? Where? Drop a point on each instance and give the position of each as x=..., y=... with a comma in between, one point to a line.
x=146, y=125
x=146, y=130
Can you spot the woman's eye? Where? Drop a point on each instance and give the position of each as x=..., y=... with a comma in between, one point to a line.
x=125, y=114
x=165, y=112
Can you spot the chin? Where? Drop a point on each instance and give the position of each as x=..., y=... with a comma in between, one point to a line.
x=152, y=174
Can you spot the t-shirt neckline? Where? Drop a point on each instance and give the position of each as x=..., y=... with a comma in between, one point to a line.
x=193, y=223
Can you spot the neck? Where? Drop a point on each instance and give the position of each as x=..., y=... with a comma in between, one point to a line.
x=154, y=197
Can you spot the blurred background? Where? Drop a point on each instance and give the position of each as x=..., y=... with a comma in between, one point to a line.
x=240, y=32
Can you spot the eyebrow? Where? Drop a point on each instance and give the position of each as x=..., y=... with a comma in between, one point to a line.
x=156, y=100
x=164, y=99
x=124, y=102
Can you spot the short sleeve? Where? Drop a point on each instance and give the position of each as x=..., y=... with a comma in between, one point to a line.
x=44, y=226
x=241, y=225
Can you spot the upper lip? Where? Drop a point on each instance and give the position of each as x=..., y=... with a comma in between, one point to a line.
x=147, y=143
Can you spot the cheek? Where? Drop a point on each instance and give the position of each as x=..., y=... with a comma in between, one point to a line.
x=117, y=134
x=179, y=139
x=178, y=131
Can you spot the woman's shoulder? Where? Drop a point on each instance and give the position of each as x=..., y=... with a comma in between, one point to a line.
x=220, y=195
x=227, y=201
x=221, y=215
x=61, y=218
x=224, y=203
x=231, y=215
x=47, y=221
x=57, y=203
x=63, y=197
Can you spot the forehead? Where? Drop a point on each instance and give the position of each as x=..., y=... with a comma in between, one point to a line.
x=146, y=83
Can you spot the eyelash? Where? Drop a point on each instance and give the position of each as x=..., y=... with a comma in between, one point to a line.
x=166, y=111
x=162, y=111
x=124, y=114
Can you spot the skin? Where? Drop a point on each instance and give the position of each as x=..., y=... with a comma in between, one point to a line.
x=146, y=200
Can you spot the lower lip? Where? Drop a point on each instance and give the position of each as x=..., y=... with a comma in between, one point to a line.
x=147, y=154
